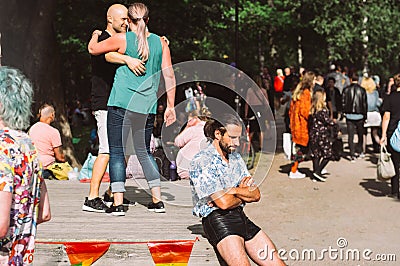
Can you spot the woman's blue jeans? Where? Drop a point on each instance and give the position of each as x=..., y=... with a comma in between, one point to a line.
x=126, y=128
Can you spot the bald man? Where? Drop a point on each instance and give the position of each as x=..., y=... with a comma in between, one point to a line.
x=103, y=72
x=46, y=138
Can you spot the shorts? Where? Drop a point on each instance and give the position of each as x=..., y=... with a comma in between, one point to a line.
x=101, y=120
x=222, y=223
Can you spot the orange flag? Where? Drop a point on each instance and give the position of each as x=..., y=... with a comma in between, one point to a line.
x=85, y=253
x=173, y=252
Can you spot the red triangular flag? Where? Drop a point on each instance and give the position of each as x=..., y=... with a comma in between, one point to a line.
x=174, y=252
x=85, y=253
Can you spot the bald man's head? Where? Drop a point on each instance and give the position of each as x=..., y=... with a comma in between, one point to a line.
x=117, y=19
x=47, y=113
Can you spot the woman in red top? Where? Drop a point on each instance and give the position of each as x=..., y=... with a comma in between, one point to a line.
x=278, y=87
x=299, y=111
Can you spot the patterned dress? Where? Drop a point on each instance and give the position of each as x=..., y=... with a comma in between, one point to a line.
x=209, y=173
x=322, y=131
x=20, y=174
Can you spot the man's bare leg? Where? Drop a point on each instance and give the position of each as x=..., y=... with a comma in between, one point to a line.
x=269, y=256
x=99, y=168
x=232, y=251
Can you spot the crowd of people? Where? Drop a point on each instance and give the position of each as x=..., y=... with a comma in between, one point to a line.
x=314, y=105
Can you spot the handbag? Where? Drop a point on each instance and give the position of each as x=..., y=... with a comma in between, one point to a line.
x=385, y=168
x=60, y=170
x=87, y=167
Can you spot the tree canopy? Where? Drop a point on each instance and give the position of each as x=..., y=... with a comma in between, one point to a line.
x=271, y=32
x=48, y=40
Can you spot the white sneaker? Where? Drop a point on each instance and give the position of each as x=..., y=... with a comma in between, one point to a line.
x=296, y=175
x=324, y=172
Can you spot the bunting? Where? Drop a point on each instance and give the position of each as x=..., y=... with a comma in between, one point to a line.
x=171, y=252
x=85, y=253
x=163, y=253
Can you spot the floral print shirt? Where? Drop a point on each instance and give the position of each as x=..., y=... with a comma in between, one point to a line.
x=209, y=173
x=20, y=174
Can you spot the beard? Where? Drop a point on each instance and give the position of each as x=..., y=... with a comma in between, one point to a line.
x=226, y=149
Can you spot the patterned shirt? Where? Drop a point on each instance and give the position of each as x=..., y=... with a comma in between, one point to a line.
x=209, y=173
x=20, y=174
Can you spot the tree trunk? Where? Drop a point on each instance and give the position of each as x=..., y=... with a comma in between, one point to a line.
x=29, y=44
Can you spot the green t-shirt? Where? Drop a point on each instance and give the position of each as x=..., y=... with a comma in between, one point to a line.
x=138, y=93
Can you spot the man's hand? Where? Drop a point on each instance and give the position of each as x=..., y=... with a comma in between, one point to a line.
x=135, y=65
x=248, y=181
x=169, y=116
x=96, y=32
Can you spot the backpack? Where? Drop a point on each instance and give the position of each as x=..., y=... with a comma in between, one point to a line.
x=162, y=163
x=395, y=139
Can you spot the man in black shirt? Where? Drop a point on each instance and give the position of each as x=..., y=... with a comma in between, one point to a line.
x=102, y=80
x=355, y=107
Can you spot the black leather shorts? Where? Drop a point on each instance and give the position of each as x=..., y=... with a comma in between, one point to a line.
x=222, y=223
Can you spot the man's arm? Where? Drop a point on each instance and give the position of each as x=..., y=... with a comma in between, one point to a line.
x=365, y=104
x=247, y=190
x=59, y=154
x=117, y=43
x=233, y=197
x=224, y=200
x=135, y=65
x=5, y=208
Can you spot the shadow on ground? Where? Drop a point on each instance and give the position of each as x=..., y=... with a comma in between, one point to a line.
x=285, y=169
x=142, y=196
x=376, y=188
x=197, y=229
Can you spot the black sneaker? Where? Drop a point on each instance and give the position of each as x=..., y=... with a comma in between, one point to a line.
x=94, y=205
x=116, y=210
x=110, y=200
x=156, y=207
x=319, y=177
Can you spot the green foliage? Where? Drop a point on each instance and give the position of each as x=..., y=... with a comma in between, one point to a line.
x=331, y=31
x=342, y=23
